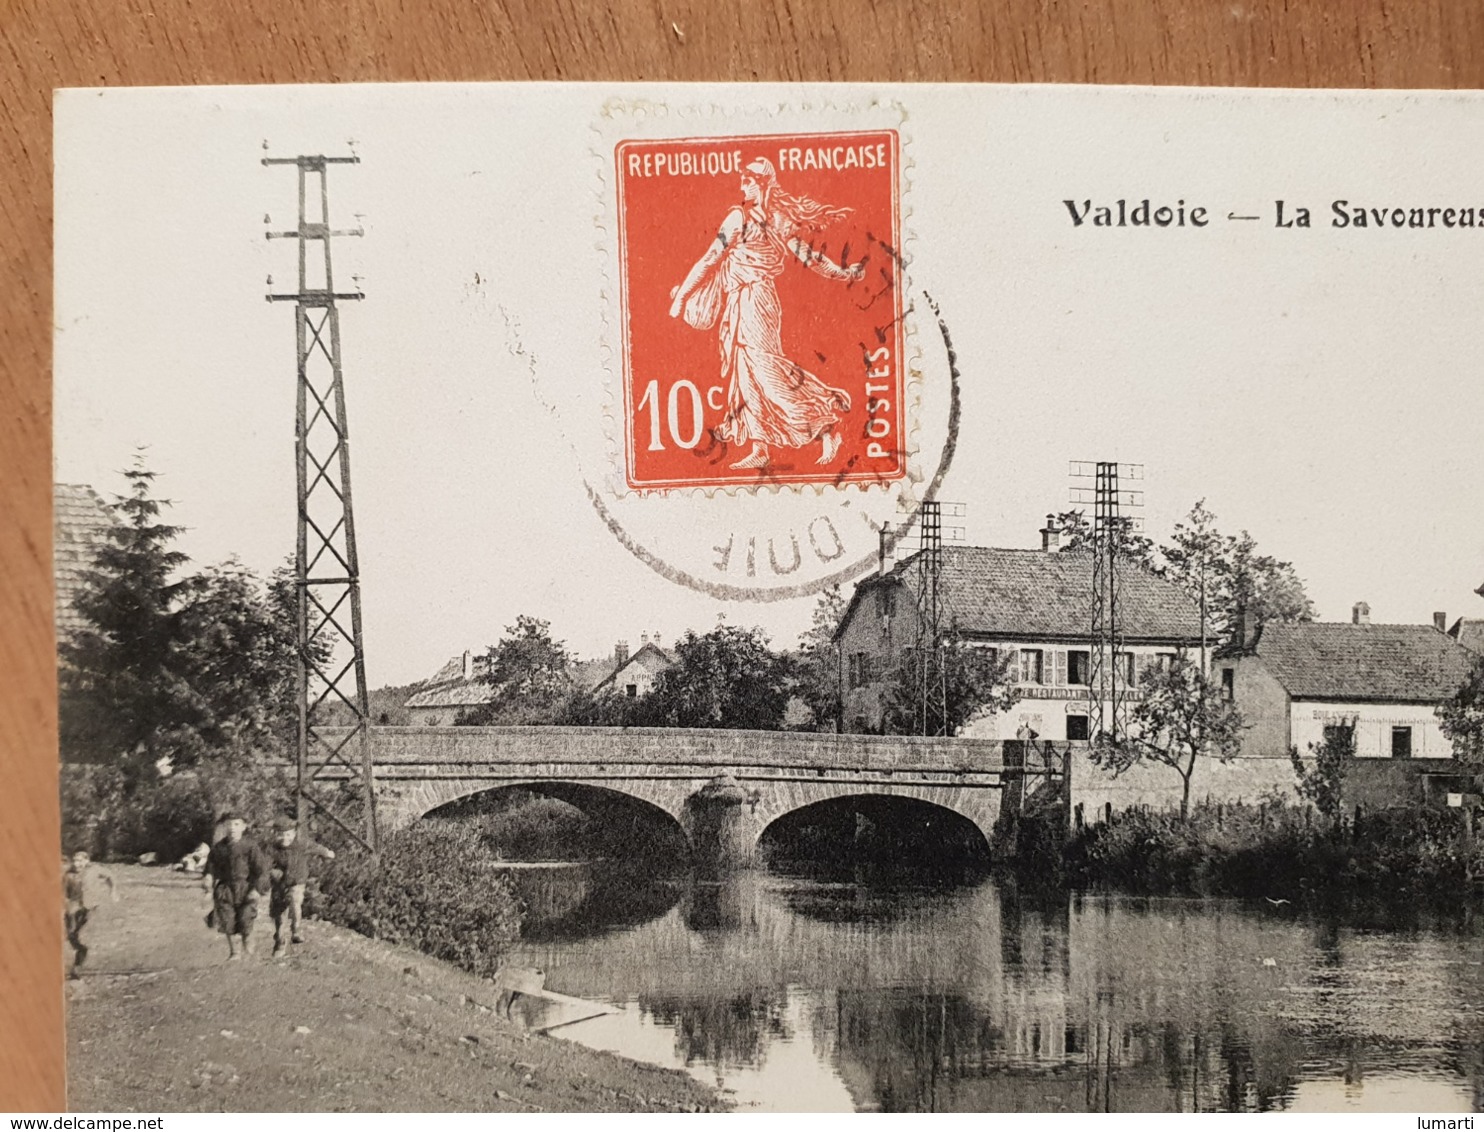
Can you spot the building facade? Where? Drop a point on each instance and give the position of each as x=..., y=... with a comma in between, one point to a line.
x=1294, y=681
x=1032, y=606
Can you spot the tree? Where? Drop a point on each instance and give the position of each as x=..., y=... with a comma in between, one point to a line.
x=239, y=659
x=728, y=677
x=1192, y=561
x=1230, y=580
x=1133, y=546
x=1461, y=718
x=528, y=670
x=1324, y=782
x=976, y=681
x=1181, y=718
x=123, y=678
x=1261, y=588
x=817, y=665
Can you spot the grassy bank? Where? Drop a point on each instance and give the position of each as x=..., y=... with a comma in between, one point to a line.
x=1276, y=851
x=160, y=1022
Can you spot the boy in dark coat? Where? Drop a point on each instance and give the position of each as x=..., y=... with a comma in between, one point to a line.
x=288, y=858
x=237, y=877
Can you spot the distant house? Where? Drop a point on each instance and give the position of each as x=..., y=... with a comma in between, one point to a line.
x=1294, y=681
x=635, y=674
x=82, y=522
x=1034, y=606
x=455, y=688
x=461, y=684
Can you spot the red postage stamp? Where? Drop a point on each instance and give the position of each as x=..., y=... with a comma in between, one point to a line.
x=761, y=303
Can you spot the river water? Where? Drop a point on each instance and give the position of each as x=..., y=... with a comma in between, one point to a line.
x=798, y=994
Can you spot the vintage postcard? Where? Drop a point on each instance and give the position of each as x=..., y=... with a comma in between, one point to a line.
x=842, y=598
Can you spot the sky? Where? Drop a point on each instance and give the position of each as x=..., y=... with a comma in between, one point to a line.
x=1318, y=387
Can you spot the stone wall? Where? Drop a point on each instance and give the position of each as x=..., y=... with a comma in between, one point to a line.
x=1158, y=787
x=678, y=747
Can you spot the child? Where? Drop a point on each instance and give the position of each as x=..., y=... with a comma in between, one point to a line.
x=289, y=858
x=236, y=876
x=79, y=887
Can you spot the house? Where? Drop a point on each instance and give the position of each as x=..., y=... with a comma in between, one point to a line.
x=1295, y=680
x=634, y=675
x=1469, y=632
x=82, y=522
x=1035, y=605
x=462, y=684
x=454, y=689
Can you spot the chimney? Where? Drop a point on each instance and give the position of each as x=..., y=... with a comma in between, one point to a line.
x=620, y=652
x=643, y=639
x=654, y=638
x=885, y=559
x=1360, y=614
x=1440, y=621
x=468, y=665
x=1050, y=535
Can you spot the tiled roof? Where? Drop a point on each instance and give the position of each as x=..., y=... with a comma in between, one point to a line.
x=81, y=522
x=650, y=657
x=448, y=688
x=588, y=674
x=1469, y=632
x=1346, y=661
x=1034, y=593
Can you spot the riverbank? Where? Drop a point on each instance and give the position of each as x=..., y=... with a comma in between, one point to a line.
x=160, y=1021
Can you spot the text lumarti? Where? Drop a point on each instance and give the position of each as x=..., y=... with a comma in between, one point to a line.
x=1441, y=1122
x=1147, y=213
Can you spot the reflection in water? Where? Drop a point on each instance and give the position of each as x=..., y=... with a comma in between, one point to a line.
x=802, y=994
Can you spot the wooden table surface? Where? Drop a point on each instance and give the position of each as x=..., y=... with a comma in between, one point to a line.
x=1356, y=43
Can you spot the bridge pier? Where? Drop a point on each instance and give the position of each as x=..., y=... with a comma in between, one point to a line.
x=718, y=822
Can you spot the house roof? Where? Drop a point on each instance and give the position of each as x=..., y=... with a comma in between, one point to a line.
x=650, y=656
x=1346, y=661
x=81, y=524
x=447, y=687
x=1469, y=632
x=991, y=591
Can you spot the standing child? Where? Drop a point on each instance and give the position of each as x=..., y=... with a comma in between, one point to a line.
x=289, y=858
x=79, y=888
x=236, y=876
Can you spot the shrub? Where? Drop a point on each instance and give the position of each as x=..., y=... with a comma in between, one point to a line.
x=437, y=888
x=114, y=819
x=1275, y=850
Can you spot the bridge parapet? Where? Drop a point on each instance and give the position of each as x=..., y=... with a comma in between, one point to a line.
x=692, y=747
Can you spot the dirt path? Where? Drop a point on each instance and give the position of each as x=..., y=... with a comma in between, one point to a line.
x=160, y=1021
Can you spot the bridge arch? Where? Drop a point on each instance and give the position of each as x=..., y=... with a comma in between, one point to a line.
x=423, y=797
x=979, y=807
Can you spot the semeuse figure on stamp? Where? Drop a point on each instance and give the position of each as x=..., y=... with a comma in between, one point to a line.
x=771, y=400
x=288, y=861
x=237, y=878
x=79, y=890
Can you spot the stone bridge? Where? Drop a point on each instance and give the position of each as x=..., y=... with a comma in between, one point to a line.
x=760, y=775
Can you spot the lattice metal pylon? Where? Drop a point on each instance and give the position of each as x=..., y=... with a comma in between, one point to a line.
x=1108, y=685
x=931, y=670
x=334, y=773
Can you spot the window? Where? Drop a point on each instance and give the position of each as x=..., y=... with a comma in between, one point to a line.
x=1401, y=742
x=1079, y=666
x=1077, y=728
x=857, y=669
x=1126, y=670
x=631, y=690
x=1031, y=671
x=1229, y=683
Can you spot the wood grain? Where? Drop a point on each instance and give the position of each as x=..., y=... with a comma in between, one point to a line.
x=1361, y=43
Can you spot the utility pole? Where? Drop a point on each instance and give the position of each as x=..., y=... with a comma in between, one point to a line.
x=1107, y=686
x=327, y=582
